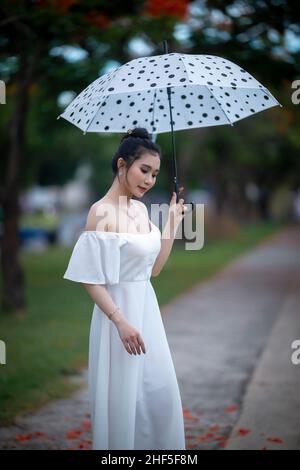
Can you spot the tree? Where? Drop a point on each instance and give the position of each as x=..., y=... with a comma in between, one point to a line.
x=30, y=31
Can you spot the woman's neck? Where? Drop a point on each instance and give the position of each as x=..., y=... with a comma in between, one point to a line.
x=119, y=195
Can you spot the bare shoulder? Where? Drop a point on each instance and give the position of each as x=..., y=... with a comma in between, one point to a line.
x=99, y=216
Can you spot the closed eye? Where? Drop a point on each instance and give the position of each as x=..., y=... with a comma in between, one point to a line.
x=145, y=171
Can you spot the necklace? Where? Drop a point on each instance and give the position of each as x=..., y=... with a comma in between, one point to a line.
x=132, y=212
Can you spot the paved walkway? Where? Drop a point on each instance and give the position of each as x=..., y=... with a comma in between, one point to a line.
x=230, y=339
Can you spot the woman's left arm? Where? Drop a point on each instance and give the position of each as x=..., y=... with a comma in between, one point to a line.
x=168, y=235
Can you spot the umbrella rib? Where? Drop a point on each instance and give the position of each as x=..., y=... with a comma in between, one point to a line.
x=271, y=96
x=91, y=120
x=231, y=123
x=107, y=85
x=209, y=91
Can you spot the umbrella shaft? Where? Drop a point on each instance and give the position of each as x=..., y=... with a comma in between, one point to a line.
x=173, y=145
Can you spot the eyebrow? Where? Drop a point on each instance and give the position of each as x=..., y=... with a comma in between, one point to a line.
x=149, y=166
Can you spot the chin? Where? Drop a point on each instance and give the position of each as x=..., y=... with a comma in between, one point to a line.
x=140, y=194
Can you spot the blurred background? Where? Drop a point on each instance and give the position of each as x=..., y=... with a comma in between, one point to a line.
x=248, y=175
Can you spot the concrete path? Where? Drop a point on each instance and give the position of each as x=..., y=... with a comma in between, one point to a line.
x=221, y=331
x=230, y=339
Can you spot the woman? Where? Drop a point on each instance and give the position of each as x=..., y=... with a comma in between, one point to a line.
x=134, y=394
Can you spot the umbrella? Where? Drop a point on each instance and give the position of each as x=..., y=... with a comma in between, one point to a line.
x=172, y=91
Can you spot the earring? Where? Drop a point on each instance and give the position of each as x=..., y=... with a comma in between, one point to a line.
x=120, y=172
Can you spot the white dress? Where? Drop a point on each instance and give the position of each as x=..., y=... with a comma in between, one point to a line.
x=135, y=399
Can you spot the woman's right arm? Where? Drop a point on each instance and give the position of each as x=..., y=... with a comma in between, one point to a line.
x=130, y=337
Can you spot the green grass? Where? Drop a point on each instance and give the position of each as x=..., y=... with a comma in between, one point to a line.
x=50, y=342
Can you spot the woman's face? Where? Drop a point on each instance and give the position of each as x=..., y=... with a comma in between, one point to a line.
x=142, y=174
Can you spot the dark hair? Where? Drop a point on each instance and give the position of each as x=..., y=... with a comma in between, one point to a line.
x=134, y=144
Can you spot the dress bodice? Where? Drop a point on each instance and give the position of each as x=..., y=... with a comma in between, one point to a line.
x=113, y=257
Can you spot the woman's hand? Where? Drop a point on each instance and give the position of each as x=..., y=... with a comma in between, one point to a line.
x=176, y=211
x=130, y=337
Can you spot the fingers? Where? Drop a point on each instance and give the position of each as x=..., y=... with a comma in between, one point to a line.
x=142, y=344
x=179, y=191
x=126, y=345
x=134, y=345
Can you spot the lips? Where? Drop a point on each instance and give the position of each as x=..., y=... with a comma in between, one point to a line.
x=142, y=189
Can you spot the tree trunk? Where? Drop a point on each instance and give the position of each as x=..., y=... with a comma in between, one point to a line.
x=13, y=277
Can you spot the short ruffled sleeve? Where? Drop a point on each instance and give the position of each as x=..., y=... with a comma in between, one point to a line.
x=95, y=259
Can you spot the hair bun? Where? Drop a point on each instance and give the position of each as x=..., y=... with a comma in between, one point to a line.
x=139, y=132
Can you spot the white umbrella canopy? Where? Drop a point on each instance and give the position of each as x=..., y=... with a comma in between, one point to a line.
x=205, y=91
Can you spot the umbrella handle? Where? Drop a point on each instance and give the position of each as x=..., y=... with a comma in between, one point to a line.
x=177, y=199
x=191, y=209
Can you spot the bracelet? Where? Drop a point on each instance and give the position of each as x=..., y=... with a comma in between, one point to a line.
x=110, y=315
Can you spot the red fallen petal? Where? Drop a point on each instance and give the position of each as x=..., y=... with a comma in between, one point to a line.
x=86, y=424
x=221, y=438
x=276, y=440
x=223, y=444
x=73, y=434
x=215, y=428
x=191, y=446
x=191, y=418
x=243, y=431
x=24, y=437
x=230, y=409
x=205, y=437
x=188, y=415
x=83, y=445
x=40, y=434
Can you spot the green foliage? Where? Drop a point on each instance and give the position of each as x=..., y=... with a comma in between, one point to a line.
x=262, y=148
